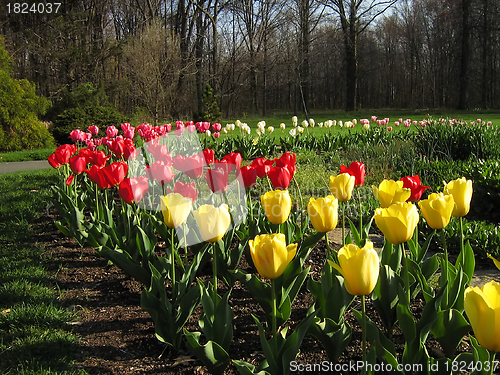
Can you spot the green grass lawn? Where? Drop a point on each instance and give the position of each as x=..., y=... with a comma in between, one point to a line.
x=40, y=154
x=34, y=336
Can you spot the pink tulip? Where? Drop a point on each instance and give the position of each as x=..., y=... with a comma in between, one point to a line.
x=94, y=130
x=111, y=131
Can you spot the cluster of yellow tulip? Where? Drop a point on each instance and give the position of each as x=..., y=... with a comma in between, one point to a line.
x=212, y=221
x=397, y=218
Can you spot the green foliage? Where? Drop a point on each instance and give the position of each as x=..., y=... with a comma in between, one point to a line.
x=457, y=141
x=20, y=107
x=211, y=111
x=82, y=118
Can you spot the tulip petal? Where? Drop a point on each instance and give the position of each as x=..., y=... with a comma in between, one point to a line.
x=481, y=316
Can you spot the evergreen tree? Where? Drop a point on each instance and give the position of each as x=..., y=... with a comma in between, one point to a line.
x=20, y=107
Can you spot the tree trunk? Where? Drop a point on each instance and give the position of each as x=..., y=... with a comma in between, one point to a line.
x=464, y=61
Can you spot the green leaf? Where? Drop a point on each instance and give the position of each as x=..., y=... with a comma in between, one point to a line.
x=385, y=349
x=292, y=344
x=246, y=368
x=130, y=266
x=213, y=356
x=449, y=330
x=467, y=262
x=385, y=297
x=335, y=337
x=355, y=234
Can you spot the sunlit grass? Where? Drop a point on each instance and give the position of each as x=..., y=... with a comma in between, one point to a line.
x=35, y=338
x=39, y=154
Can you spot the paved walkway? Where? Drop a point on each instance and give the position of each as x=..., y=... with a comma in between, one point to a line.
x=16, y=166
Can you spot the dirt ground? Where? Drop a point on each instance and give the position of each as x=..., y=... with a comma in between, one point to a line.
x=117, y=336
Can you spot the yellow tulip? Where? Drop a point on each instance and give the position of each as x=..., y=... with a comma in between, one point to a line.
x=212, y=221
x=323, y=213
x=397, y=222
x=277, y=205
x=271, y=255
x=175, y=208
x=482, y=306
x=341, y=186
x=495, y=261
x=437, y=209
x=391, y=192
x=461, y=189
x=360, y=268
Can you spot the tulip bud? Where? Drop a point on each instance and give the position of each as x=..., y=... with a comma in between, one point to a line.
x=271, y=255
x=277, y=205
x=175, y=208
x=390, y=192
x=483, y=311
x=323, y=213
x=461, y=189
x=341, y=186
x=360, y=268
x=213, y=222
x=397, y=222
x=437, y=209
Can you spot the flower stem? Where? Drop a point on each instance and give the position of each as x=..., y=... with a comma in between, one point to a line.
x=214, y=270
x=274, y=327
x=493, y=363
x=328, y=249
x=406, y=277
x=360, y=216
x=363, y=328
x=445, y=266
x=172, y=262
x=461, y=234
x=343, y=223
x=185, y=243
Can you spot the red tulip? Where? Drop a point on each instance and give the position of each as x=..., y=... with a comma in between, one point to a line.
x=192, y=166
x=86, y=153
x=209, y=156
x=217, y=179
x=287, y=159
x=233, y=158
x=70, y=179
x=78, y=164
x=413, y=183
x=356, y=169
x=117, y=146
x=262, y=166
x=93, y=129
x=133, y=189
x=186, y=190
x=160, y=152
x=249, y=175
x=280, y=177
x=98, y=158
x=115, y=172
x=96, y=175
x=160, y=172
x=64, y=152
x=52, y=159
x=130, y=152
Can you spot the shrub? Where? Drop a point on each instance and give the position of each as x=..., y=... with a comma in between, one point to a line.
x=82, y=118
x=20, y=107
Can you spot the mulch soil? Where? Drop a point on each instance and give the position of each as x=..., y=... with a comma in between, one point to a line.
x=117, y=336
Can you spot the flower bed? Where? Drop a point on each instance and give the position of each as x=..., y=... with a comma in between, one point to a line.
x=125, y=200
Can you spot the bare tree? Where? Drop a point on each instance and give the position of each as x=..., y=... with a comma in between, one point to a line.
x=153, y=66
x=355, y=17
